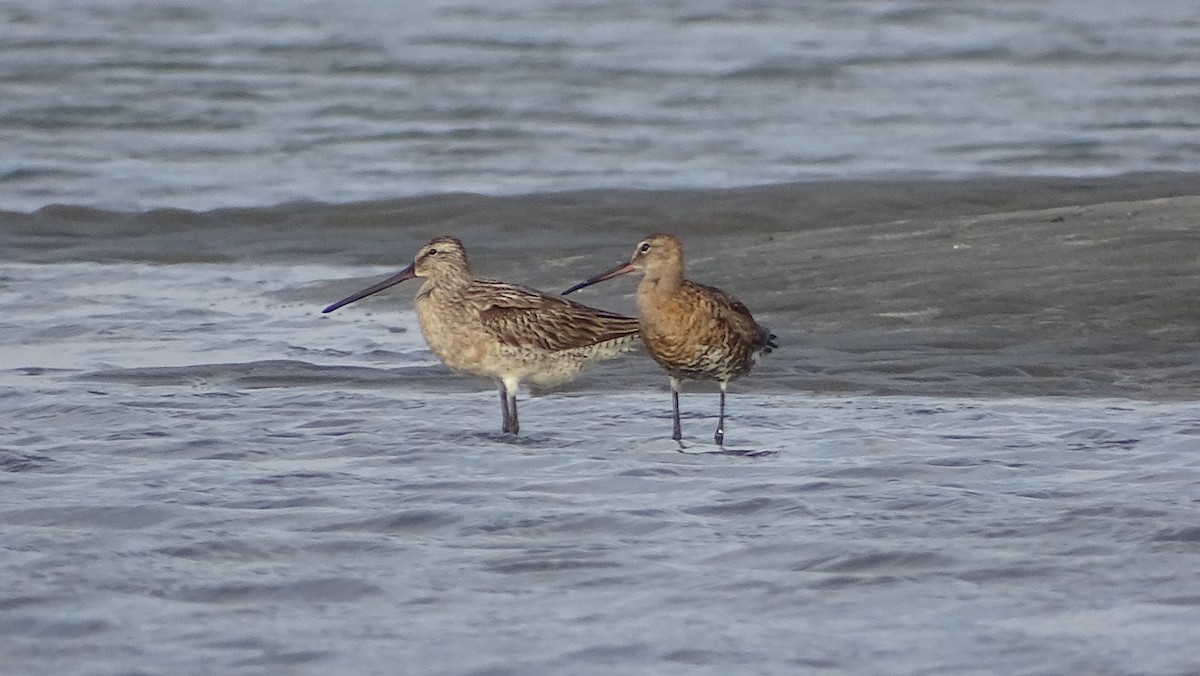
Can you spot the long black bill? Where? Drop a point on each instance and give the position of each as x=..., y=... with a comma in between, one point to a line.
x=623, y=268
x=406, y=273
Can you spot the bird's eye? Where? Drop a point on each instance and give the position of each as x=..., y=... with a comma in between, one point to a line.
x=644, y=247
x=431, y=252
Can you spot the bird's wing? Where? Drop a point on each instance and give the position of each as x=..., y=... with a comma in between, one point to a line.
x=738, y=315
x=525, y=317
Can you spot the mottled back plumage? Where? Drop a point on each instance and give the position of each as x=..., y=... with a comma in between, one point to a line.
x=517, y=317
x=507, y=332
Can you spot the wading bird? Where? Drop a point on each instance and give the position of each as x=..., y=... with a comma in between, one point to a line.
x=506, y=332
x=694, y=332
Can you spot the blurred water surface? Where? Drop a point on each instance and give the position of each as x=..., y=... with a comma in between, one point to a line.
x=130, y=104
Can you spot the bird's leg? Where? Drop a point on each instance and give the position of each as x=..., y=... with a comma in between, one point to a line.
x=512, y=404
x=507, y=427
x=719, y=436
x=676, y=432
x=508, y=403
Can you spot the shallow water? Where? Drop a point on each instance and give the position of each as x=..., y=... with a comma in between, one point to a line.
x=202, y=473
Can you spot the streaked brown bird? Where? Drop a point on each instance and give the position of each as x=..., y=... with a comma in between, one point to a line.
x=695, y=332
x=506, y=332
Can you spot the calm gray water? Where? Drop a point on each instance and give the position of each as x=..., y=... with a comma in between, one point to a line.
x=133, y=104
x=983, y=429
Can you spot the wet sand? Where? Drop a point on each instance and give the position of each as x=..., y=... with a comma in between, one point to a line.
x=988, y=287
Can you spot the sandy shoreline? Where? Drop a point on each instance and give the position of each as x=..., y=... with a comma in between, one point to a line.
x=992, y=287
x=382, y=232
x=1097, y=300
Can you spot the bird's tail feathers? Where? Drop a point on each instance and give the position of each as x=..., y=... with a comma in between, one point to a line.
x=767, y=340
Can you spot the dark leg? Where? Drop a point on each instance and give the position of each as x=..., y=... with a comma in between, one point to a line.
x=512, y=404
x=676, y=432
x=719, y=437
x=507, y=427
